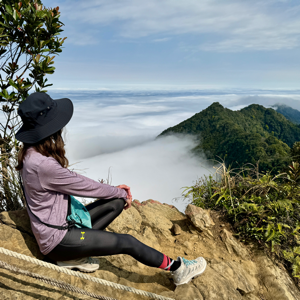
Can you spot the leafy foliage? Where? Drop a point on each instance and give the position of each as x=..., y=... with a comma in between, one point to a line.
x=252, y=134
x=295, y=152
x=28, y=44
x=261, y=207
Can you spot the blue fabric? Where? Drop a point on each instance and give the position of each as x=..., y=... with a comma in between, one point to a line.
x=79, y=214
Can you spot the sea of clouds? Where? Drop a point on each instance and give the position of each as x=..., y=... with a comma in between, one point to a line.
x=112, y=135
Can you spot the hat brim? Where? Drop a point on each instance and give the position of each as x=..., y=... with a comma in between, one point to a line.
x=63, y=116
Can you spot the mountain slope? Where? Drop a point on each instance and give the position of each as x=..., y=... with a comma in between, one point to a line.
x=246, y=136
x=290, y=113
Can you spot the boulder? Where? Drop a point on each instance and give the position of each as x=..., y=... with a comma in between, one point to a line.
x=200, y=218
x=126, y=221
x=234, y=271
x=159, y=217
x=176, y=229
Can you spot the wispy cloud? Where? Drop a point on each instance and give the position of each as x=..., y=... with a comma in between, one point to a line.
x=161, y=40
x=232, y=25
x=80, y=38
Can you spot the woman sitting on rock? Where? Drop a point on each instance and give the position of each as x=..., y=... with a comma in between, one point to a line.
x=48, y=184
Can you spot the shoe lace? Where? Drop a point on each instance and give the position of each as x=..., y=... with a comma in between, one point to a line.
x=188, y=262
x=90, y=260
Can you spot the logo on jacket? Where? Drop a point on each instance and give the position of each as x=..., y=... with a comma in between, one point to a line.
x=82, y=237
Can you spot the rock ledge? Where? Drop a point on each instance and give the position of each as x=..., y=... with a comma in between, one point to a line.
x=233, y=271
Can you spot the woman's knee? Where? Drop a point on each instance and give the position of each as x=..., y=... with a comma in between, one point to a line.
x=118, y=205
x=127, y=243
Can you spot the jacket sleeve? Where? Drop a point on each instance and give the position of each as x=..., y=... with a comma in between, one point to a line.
x=53, y=177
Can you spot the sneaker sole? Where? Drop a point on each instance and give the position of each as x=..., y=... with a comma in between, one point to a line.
x=195, y=276
x=79, y=269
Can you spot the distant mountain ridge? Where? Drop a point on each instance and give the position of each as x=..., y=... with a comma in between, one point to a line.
x=254, y=133
x=290, y=113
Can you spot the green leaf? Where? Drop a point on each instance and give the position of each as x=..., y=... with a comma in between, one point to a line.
x=4, y=94
x=5, y=19
x=8, y=9
x=27, y=86
x=219, y=199
x=2, y=24
x=15, y=15
x=50, y=70
x=45, y=50
x=270, y=237
x=50, y=84
x=12, y=83
x=37, y=58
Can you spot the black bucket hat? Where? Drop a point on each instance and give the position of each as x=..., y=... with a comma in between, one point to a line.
x=42, y=116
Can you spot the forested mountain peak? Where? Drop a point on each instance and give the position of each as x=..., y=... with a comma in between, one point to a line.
x=245, y=136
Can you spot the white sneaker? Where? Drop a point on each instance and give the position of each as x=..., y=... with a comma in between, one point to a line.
x=188, y=270
x=86, y=264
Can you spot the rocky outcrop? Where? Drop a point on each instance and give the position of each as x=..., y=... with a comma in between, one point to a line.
x=200, y=218
x=234, y=271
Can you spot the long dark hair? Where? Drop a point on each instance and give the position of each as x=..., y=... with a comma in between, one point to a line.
x=51, y=146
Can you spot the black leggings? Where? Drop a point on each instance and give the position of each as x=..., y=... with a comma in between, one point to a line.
x=84, y=242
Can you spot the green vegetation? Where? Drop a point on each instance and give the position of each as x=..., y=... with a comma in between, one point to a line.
x=261, y=199
x=261, y=207
x=290, y=113
x=28, y=44
x=252, y=134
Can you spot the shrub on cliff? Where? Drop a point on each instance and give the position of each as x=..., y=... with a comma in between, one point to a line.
x=261, y=207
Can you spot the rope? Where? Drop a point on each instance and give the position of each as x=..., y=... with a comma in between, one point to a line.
x=82, y=275
x=57, y=283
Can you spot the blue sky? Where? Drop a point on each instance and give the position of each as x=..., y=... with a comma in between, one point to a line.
x=156, y=63
x=207, y=43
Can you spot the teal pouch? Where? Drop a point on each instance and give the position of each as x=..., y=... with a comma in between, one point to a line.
x=79, y=214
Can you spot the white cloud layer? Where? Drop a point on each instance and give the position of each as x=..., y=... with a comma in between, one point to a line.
x=230, y=25
x=117, y=129
x=155, y=170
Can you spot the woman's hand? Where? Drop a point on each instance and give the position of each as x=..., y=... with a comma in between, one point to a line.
x=128, y=203
x=129, y=196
